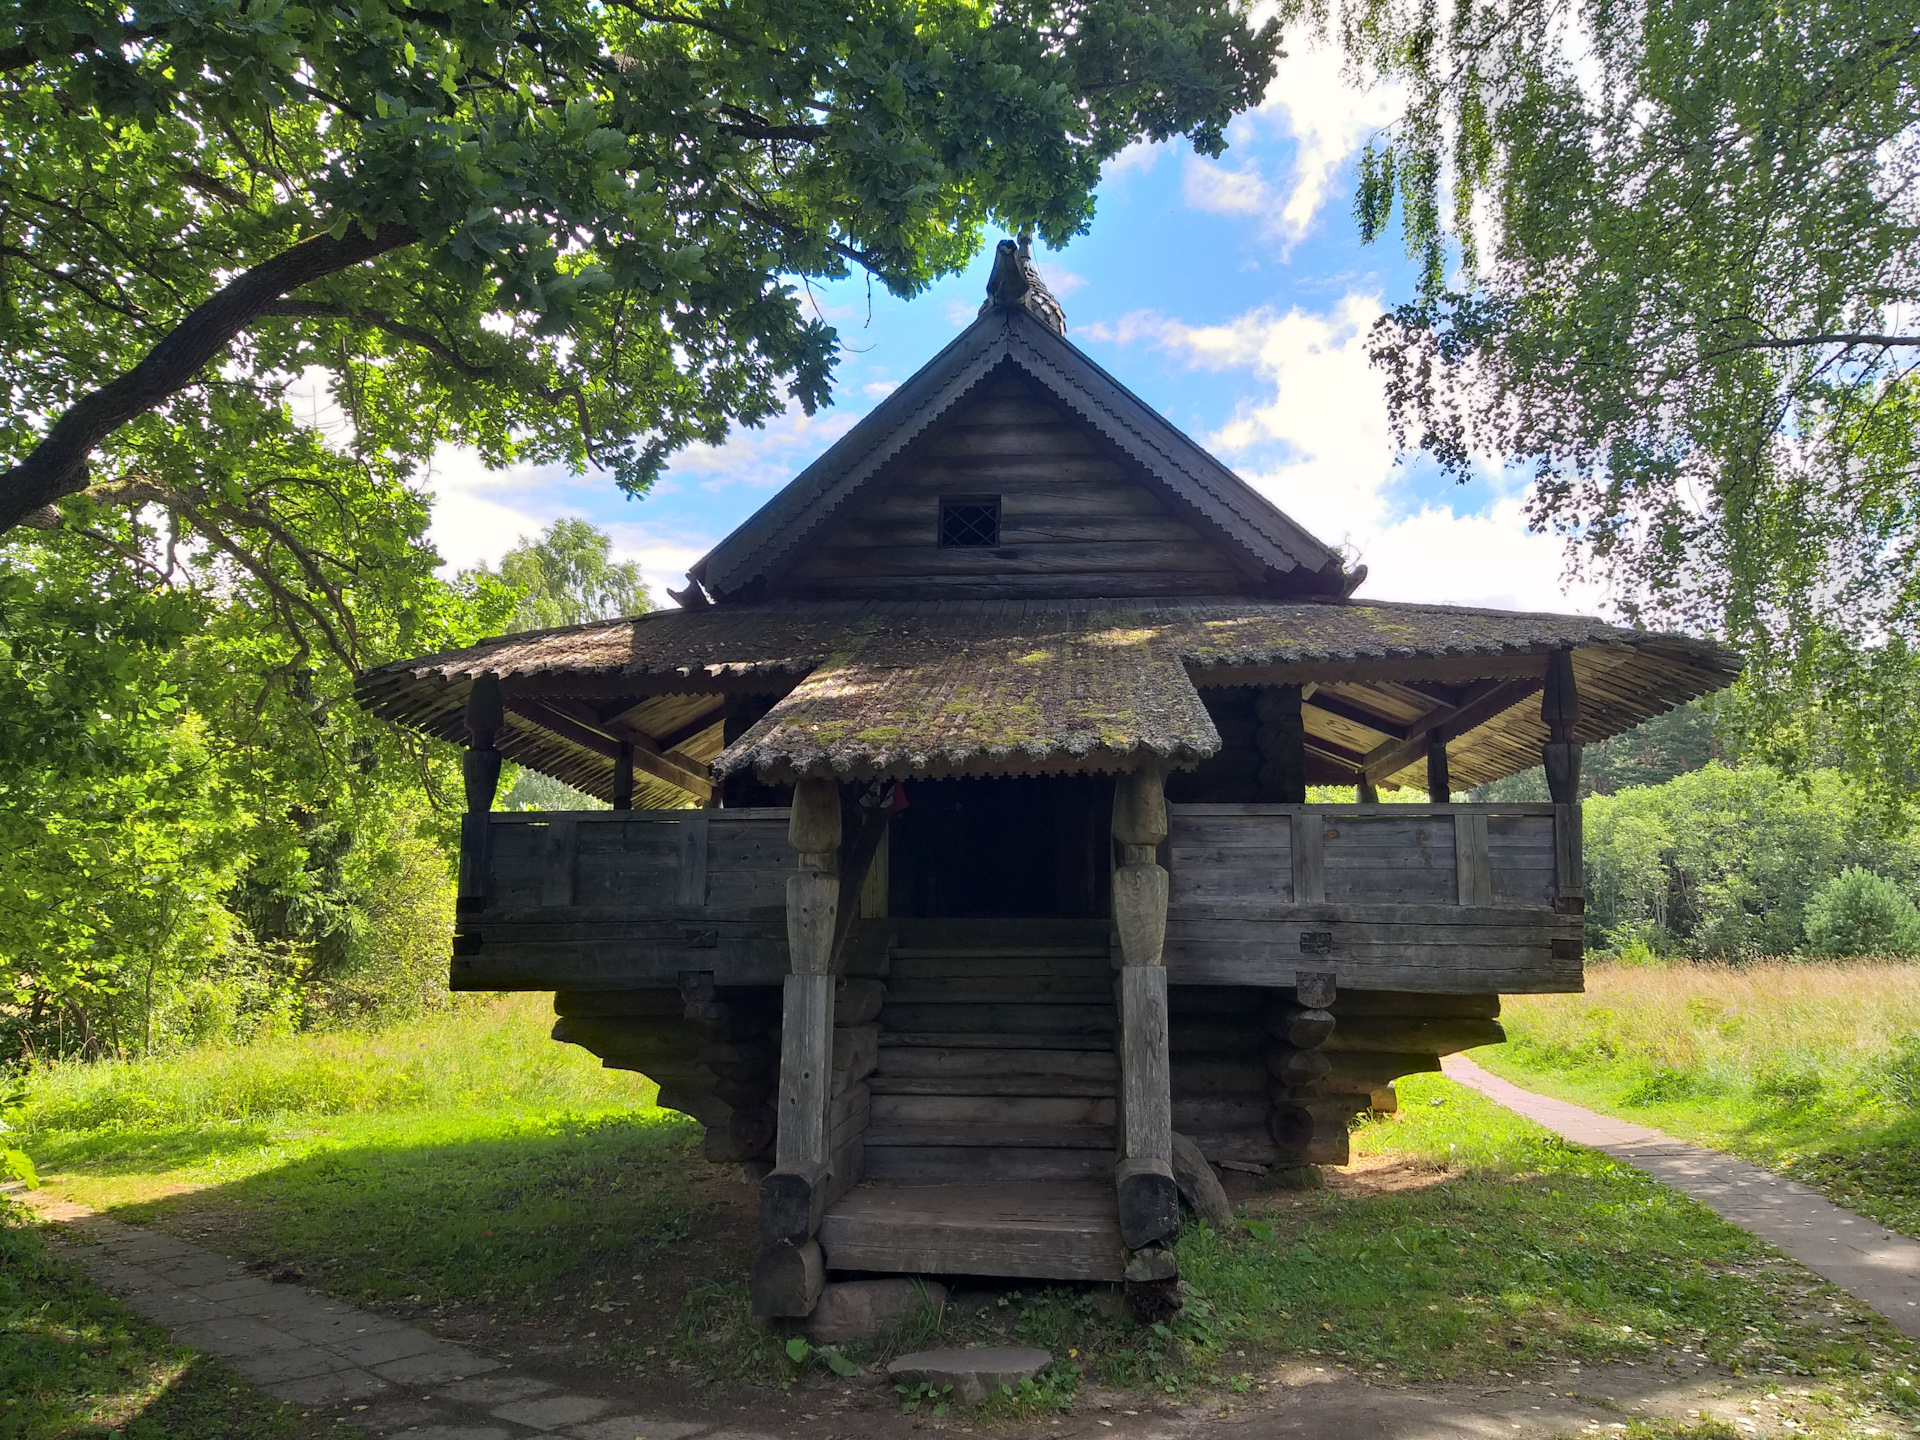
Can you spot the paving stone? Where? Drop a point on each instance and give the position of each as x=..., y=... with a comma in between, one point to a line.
x=336, y=1387
x=393, y=1416
x=973, y=1374
x=245, y=1287
x=236, y=1336
x=308, y=1360
x=491, y=1390
x=459, y=1432
x=389, y=1345
x=436, y=1367
x=1871, y=1263
x=552, y=1411
x=175, y=1309
x=337, y=1329
x=635, y=1427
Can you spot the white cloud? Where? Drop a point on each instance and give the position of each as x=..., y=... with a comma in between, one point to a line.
x=763, y=458
x=1215, y=190
x=1315, y=441
x=1330, y=120
x=662, y=552
x=1142, y=156
x=879, y=389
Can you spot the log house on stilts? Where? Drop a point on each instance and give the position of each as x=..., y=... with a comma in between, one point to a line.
x=961, y=860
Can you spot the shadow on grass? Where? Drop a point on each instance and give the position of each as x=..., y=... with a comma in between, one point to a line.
x=509, y=1211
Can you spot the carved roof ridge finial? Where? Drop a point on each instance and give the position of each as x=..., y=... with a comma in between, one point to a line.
x=1014, y=284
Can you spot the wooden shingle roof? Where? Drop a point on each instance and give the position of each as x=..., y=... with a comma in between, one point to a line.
x=902, y=688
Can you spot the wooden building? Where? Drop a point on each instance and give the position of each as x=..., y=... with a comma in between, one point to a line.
x=960, y=857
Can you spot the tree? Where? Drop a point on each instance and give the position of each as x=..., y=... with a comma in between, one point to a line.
x=568, y=577
x=1668, y=253
x=548, y=229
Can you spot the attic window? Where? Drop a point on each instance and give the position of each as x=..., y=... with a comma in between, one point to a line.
x=969, y=521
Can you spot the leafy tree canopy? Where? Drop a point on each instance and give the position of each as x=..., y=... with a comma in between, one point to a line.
x=568, y=576
x=551, y=230
x=1669, y=255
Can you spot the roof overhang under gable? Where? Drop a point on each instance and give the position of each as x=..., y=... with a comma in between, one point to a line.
x=1239, y=517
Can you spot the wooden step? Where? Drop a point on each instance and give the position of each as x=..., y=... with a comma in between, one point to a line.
x=999, y=1083
x=1009, y=1137
x=1059, y=1230
x=1026, y=990
x=972, y=1165
x=996, y=1112
x=976, y=936
x=900, y=1061
x=917, y=967
x=989, y=1040
x=1010, y=1018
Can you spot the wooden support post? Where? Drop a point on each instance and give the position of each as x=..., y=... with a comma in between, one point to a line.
x=1439, y=788
x=480, y=769
x=1308, y=1128
x=1282, y=740
x=1366, y=792
x=1309, y=845
x=788, y=1272
x=1149, y=1198
x=623, y=777
x=1560, y=709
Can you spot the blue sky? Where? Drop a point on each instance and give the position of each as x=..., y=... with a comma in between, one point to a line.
x=1231, y=294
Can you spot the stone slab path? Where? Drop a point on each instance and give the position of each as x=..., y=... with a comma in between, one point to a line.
x=1871, y=1263
x=311, y=1351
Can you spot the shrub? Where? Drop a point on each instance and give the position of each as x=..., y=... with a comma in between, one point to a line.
x=1861, y=913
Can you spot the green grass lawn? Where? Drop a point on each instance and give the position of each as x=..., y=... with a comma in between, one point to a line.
x=548, y=1209
x=1809, y=1068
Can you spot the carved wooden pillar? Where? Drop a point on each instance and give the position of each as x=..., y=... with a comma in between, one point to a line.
x=1439, y=787
x=480, y=768
x=1148, y=1197
x=1282, y=739
x=789, y=1271
x=1560, y=708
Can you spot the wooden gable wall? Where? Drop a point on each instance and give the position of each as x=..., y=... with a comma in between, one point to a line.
x=1075, y=520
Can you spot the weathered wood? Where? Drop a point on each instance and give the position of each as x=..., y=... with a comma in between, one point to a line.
x=1028, y=1021
x=967, y=1135
x=1141, y=992
x=1094, y=986
x=690, y=886
x=1438, y=1035
x=1003, y=1111
x=995, y=1039
x=557, y=880
x=1439, y=785
x=1281, y=739
x=1148, y=1201
x=854, y=1054
x=623, y=775
x=935, y=1164
x=975, y=1084
x=1473, y=869
x=1405, y=1002
x=661, y=1002
x=805, y=1070
x=1302, y=1028
x=786, y=1279
x=857, y=1001
x=1046, y=1231
x=902, y=1062
x=1309, y=857
x=1199, y=1186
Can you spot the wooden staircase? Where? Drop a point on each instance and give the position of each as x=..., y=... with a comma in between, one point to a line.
x=990, y=1146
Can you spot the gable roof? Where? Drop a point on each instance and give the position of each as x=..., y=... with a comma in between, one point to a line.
x=1218, y=502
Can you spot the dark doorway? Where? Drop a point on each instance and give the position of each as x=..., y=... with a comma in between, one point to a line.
x=1002, y=848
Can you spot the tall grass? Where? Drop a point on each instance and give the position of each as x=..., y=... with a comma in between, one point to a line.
x=1796, y=1033
x=1810, y=1067
x=478, y=1056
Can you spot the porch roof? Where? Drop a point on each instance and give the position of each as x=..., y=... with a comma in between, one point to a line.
x=903, y=688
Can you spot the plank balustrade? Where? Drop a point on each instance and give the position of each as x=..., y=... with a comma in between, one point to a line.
x=1459, y=899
